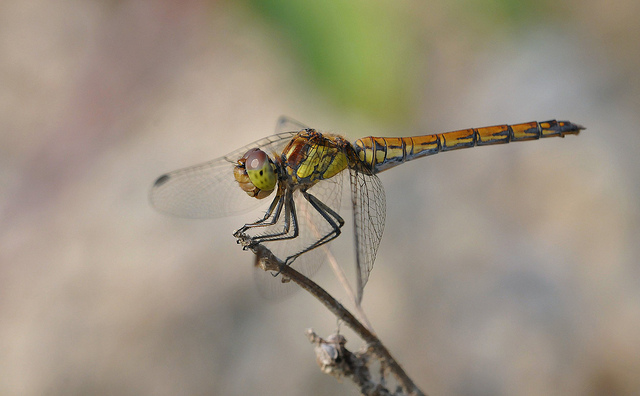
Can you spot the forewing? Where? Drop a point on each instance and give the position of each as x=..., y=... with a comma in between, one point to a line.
x=286, y=124
x=210, y=190
x=369, y=211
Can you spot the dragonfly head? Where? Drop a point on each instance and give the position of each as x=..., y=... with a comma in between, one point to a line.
x=255, y=173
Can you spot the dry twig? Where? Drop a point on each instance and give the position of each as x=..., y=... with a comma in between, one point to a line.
x=266, y=261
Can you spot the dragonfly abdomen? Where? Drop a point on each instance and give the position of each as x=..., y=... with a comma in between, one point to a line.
x=380, y=153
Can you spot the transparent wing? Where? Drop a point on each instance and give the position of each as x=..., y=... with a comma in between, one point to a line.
x=210, y=190
x=369, y=211
x=286, y=124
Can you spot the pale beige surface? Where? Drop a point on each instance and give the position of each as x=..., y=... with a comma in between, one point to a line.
x=503, y=270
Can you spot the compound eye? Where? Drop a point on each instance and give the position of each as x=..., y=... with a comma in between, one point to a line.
x=260, y=169
x=255, y=159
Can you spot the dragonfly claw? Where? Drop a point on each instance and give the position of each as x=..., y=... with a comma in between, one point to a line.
x=287, y=262
x=290, y=260
x=243, y=239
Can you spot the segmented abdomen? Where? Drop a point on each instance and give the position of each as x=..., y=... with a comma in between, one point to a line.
x=380, y=153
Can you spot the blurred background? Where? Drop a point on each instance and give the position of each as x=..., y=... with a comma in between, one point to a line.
x=503, y=270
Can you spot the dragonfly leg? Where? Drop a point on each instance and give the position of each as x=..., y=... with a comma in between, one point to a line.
x=335, y=221
x=274, y=211
x=290, y=219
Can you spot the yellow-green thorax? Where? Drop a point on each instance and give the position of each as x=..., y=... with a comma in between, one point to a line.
x=311, y=157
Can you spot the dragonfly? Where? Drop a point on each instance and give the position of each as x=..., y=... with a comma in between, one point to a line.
x=304, y=170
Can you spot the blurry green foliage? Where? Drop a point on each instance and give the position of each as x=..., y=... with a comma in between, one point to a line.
x=358, y=52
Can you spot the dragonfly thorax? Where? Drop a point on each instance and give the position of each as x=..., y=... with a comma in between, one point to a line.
x=312, y=156
x=255, y=173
